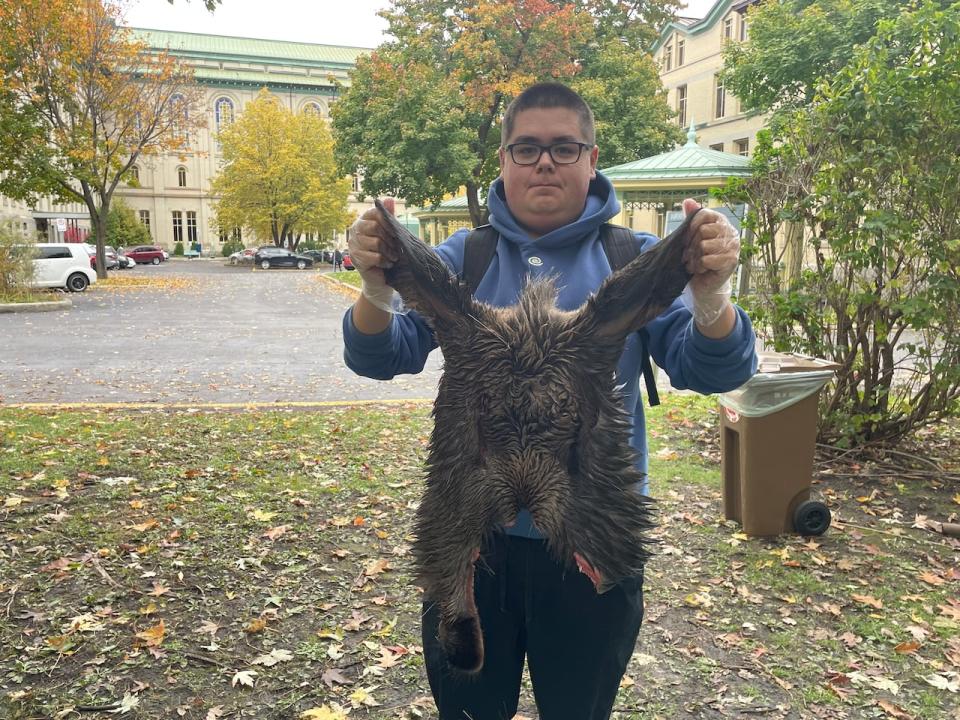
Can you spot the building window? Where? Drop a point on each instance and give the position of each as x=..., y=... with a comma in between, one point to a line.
x=743, y=28
x=668, y=57
x=720, y=101
x=177, y=226
x=313, y=108
x=237, y=235
x=728, y=29
x=682, y=105
x=680, y=51
x=356, y=183
x=717, y=146
x=180, y=114
x=191, y=226
x=223, y=112
x=135, y=174
x=145, y=219
x=181, y=177
x=742, y=146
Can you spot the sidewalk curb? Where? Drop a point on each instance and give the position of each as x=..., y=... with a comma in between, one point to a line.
x=36, y=306
x=343, y=287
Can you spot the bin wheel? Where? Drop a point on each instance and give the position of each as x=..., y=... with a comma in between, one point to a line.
x=811, y=518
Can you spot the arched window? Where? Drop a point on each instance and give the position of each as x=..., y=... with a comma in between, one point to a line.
x=223, y=112
x=181, y=176
x=313, y=108
x=135, y=174
x=179, y=114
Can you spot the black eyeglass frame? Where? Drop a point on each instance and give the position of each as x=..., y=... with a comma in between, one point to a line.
x=549, y=149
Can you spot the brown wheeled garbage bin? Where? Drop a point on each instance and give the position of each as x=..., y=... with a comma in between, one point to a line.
x=768, y=431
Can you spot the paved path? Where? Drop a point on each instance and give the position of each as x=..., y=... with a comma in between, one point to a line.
x=201, y=332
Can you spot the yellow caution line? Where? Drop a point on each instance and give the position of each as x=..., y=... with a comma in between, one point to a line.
x=210, y=405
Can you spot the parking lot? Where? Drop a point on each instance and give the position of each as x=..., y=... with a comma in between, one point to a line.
x=193, y=331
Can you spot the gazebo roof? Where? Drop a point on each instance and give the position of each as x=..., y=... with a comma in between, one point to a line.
x=690, y=162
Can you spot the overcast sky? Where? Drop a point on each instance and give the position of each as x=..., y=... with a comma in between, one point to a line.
x=329, y=22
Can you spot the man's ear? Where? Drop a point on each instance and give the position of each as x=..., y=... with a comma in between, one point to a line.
x=594, y=154
x=502, y=154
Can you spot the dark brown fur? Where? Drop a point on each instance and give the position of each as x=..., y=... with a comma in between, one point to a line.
x=528, y=415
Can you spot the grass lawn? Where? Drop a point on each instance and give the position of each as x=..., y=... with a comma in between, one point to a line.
x=211, y=565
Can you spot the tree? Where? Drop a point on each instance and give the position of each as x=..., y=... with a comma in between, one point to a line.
x=81, y=102
x=422, y=115
x=795, y=43
x=279, y=178
x=123, y=227
x=868, y=173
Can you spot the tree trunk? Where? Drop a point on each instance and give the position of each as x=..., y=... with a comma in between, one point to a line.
x=478, y=214
x=98, y=218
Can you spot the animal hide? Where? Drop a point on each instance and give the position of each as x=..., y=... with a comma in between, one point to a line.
x=528, y=415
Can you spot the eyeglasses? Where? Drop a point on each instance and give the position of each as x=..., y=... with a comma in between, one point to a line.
x=562, y=153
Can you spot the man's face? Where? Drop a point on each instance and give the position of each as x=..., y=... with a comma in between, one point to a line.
x=545, y=196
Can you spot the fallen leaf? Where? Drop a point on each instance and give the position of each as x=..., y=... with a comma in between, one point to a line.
x=323, y=713
x=273, y=657
x=215, y=712
x=869, y=600
x=931, y=579
x=153, y=636
x=905, y=648
x=263, y=515
x=894, y=711
x=128, y=703
x=275, y=532
x=333, y=677
x=243, y=677
x=255, y=626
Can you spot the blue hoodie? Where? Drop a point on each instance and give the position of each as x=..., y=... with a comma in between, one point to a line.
x=575, y=254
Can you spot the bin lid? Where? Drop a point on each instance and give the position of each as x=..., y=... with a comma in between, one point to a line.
x=777, y=362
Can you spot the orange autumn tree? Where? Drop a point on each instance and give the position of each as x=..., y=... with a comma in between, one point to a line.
x=81, y=101
x=422, y=115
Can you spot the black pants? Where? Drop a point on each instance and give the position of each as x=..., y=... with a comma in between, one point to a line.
x=577, y=643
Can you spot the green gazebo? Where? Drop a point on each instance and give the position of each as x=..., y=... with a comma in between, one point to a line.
x=660, y=183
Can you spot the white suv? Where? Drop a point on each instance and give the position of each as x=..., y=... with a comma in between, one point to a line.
x=65, y=265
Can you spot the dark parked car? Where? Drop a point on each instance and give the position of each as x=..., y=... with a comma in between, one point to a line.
x=146, y=254
x=317, y=255
x=269, y=257
x=111, y=262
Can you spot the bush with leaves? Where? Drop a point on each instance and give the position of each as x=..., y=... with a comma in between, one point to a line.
x=16, y=266
x=124, y=229
x=230, y=247
x=863, y=183
x=178, y=249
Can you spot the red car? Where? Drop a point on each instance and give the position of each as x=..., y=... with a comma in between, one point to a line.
x=347, y=262
x=146, y=254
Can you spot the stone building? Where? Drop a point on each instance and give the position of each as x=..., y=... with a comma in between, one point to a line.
x=173, y=194
x=690, y=54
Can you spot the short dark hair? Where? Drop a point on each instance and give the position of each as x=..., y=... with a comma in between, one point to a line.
x=549, y=95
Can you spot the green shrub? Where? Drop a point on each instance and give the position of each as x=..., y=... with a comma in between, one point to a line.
x=123, y=228
x=16, y=265
x=230, y=247
x=178, y=249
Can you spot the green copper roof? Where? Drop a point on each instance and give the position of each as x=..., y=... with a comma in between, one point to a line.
x=224, y=47
x=690, y=161
x=455, y=205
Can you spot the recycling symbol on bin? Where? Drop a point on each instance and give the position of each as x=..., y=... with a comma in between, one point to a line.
x=732, y=415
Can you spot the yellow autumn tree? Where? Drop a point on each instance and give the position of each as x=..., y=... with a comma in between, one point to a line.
x=81, y=101
x=279, y=177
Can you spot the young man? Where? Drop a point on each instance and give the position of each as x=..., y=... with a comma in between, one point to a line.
x=548, y=205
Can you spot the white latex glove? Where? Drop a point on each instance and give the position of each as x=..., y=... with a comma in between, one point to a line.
x=370, y=255
x=711, y=258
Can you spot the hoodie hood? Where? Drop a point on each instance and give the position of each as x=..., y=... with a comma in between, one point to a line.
x=601, y=205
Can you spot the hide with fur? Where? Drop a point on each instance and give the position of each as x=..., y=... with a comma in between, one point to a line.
x=528, y=415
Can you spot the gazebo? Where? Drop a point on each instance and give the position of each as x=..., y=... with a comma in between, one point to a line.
x=650, y=188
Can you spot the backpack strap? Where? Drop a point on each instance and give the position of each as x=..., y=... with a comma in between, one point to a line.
x=478, y=251
x=621, y=246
